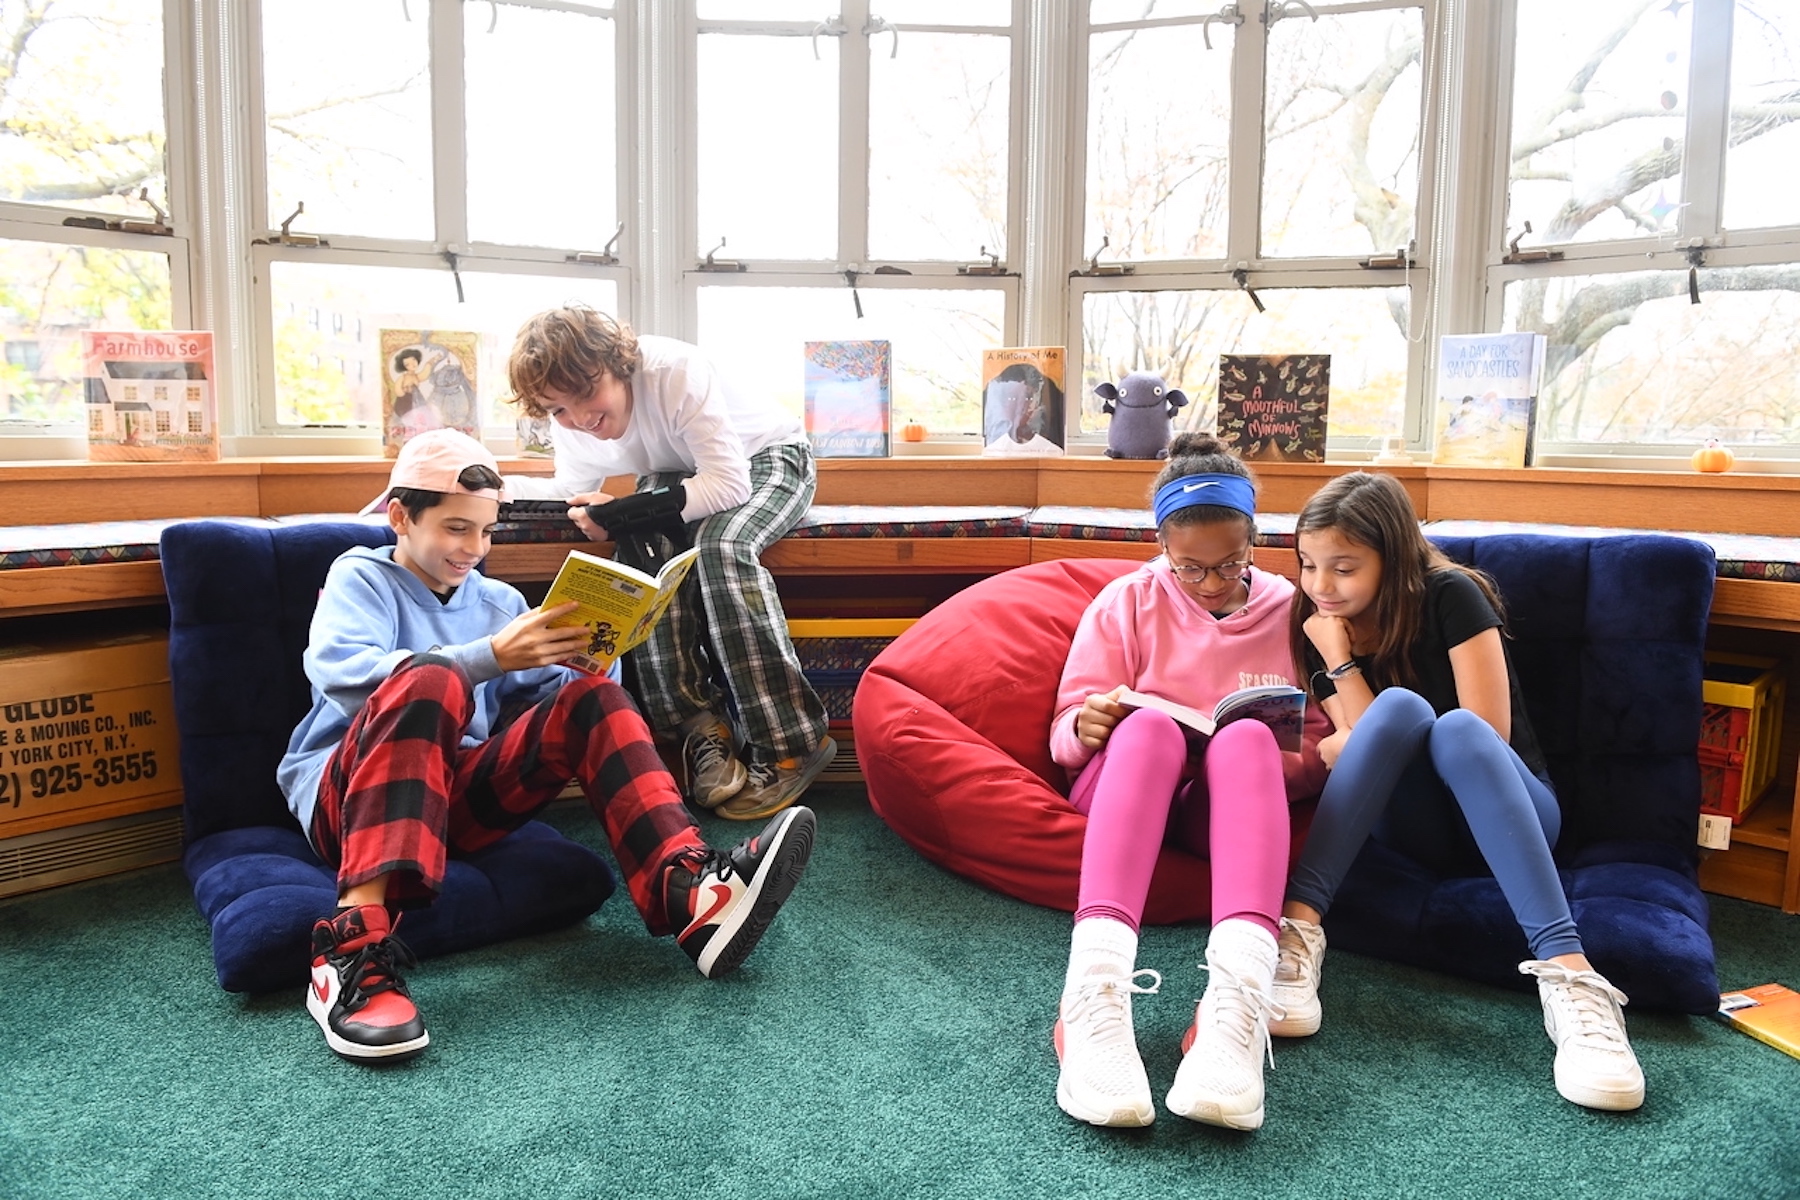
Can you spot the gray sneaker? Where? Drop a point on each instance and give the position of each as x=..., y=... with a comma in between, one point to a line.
x=714, y=774
x=771, y=787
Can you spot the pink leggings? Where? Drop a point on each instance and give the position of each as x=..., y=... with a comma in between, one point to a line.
x=1233, y=812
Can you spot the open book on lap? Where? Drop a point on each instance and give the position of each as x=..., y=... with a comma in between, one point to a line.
x=619, y=604
x=1280, y=706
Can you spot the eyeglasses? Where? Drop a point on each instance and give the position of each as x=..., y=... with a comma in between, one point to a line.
x=1229, y=572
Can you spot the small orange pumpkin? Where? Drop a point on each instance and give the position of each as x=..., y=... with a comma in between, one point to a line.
x=1713, y=457
x=912, y=431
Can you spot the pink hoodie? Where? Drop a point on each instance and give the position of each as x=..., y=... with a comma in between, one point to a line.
x=1144, y=631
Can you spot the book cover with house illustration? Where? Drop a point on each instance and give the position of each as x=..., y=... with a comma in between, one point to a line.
x=427, y=382
x=1272, y=407
x=150, y=396
x=849, y=398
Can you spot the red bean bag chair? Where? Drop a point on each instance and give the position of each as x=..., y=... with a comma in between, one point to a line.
x=953, y=731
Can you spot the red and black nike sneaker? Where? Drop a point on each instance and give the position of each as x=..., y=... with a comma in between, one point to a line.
x=728, y=898
x=357, y=995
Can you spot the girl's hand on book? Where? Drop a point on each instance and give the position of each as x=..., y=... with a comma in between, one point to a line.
x=528, y=640
x=578, y=514
x=1097, y=716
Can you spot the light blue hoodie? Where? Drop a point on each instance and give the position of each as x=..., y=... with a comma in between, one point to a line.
x=373, y=614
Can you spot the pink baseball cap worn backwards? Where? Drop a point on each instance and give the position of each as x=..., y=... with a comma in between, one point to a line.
x=431, y=462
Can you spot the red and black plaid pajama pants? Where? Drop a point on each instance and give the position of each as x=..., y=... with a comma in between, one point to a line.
x=401, y=792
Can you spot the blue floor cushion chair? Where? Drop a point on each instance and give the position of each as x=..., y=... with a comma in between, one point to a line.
x=241, y=597
x=1608, y=637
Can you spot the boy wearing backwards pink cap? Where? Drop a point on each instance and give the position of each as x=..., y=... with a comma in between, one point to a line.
x=442, y=720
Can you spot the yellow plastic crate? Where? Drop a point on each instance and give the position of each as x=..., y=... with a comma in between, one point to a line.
x=833, y=652
x=1740, y=732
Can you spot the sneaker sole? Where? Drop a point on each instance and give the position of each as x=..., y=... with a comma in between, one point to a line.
x=1623, y=1099
x=357, y=1051
x=1213, y=1114
x=1129, y=1116
x=781, y=869
x=820, y=759
x=1298, y=1023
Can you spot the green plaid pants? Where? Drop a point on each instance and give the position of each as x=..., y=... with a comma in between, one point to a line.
x=726, y=621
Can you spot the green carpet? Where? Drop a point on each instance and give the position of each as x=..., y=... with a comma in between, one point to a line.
x=889, y=1038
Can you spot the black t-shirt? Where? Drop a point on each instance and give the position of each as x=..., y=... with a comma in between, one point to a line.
x=1456, y=610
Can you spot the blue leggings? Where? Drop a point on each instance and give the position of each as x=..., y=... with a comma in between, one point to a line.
x=1447, y=793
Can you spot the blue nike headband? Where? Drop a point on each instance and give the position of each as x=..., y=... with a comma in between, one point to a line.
x=1227, y=491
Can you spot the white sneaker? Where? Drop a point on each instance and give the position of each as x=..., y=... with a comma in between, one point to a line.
x=1595, y=1067
x=1220, y=1080
x=1102, y=1080
x=1297, y=974
x=714, y=772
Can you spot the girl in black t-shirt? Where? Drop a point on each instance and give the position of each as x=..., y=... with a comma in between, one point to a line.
x=1434, y=755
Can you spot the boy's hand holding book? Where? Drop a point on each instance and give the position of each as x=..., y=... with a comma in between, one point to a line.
x=530, y=640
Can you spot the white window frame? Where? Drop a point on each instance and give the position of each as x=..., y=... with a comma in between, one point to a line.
x=1699, y=225
x=1244, y=225
x=22, y=441
x=261, y=433
x=856, y=46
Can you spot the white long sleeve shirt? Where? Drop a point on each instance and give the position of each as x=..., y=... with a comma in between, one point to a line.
x=684, y=417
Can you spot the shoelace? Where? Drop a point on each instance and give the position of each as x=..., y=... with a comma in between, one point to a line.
x=373, y=969
x=709, y=749
x=701, y=860
x=762, y=775
x=1243, y=1011
x=1100, y=1003
x=1592, y=1003
x=1296, y=956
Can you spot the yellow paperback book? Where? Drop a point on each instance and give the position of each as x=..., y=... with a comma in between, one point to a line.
x=1769, y=1013
x=619, y=604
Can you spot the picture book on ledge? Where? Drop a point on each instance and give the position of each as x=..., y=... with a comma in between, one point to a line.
x=1769, y=1013
x=1272, y=407
x=849, y=398
x=150, y=396
x=427, y=382
x=1278, y=705
x=1487, y=398
x=619, y=604
x=1022, y=409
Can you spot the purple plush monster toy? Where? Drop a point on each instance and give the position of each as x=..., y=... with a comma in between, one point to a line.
x=1141, y=408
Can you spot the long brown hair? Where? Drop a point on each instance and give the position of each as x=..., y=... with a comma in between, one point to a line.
x=1375, y=511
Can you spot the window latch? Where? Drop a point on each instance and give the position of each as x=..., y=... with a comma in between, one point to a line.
x=285, y=238
x=1399, y=260
x=992, y=266
x=719, y=264
x=1229, y=15
x=875, y=25
x=830, y=27
x=1275, y=10
x=606, y=257
x=1516, y=255
x=1696, y=258
x=1096, y=268
x=159, y=225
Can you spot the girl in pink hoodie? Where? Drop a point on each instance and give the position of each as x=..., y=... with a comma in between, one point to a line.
x=1191, y=626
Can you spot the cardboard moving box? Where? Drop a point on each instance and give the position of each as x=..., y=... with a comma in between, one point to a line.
x=87, y=732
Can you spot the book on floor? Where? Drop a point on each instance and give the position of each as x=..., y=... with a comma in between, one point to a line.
x=619, y=604
x=1280, y=706
x=1769, y=1013
x=1022, y=407
x=849, y=398
x=1487, y=399
x=1273, y=407
x=150, y=396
